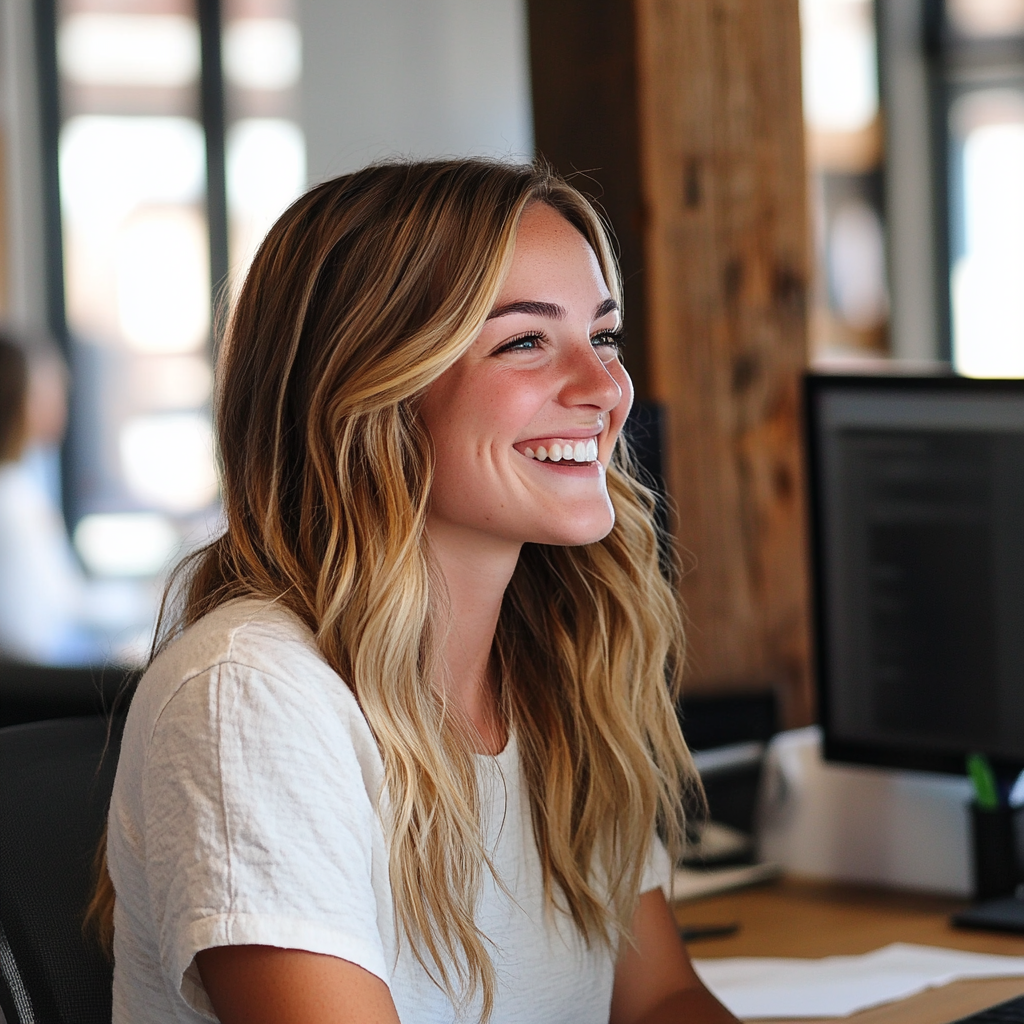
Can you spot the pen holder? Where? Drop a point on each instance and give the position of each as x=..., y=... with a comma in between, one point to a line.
x=995, y=851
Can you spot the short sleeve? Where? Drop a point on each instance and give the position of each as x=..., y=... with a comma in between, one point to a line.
x=658, y=869
x=261, y=824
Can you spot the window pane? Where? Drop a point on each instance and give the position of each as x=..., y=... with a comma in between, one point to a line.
x=850, y=299
x=988, y=250
x=840, y=64
x=101, y=48
x=137, y=280
x=265, y=148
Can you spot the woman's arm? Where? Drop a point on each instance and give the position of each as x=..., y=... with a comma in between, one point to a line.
x=267, y=985
x=655, y=983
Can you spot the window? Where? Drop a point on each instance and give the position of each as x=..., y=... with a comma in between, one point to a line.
x=170, y=172
x=982, y=67
x=266, y=153
x=850, y=303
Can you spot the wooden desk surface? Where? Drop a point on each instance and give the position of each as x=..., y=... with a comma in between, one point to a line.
x=802, y=918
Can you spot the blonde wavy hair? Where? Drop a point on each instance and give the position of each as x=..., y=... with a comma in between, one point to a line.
x=366, y=290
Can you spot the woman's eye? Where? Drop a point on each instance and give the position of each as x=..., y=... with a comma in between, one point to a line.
x=525, y=343
x=611, y=340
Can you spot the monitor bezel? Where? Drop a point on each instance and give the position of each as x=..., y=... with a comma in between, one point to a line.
x=843, y=749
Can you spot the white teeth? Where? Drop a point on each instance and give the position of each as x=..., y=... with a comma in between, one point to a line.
x=567, y=451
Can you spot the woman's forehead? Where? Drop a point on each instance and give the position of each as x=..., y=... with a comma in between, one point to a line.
x=547, y=247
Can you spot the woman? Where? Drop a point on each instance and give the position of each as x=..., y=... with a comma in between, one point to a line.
x=405, y=757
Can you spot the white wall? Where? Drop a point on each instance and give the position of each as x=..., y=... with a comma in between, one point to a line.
x=413, y=78
x=19, y=124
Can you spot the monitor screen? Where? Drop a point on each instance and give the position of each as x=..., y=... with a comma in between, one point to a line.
x=917, y=514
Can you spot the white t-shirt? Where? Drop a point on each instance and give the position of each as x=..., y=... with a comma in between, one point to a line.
x=244, y=812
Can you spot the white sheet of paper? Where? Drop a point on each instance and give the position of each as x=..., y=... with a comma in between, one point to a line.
x=834, y=986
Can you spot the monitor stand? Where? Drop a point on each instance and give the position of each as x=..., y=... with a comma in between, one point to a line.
x=1005, y=914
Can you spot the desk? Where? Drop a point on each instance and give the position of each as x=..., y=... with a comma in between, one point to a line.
x=801, y=918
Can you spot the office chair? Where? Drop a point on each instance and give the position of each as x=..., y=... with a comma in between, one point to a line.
x=55, y=783
x=32, y=693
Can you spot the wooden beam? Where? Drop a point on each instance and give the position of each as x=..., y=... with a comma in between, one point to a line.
x=686, y=116
x=583, y=73
x=722, y=157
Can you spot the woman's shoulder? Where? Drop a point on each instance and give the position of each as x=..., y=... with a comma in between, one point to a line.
x=247, y=646
x=246, y=629
x=261, y=634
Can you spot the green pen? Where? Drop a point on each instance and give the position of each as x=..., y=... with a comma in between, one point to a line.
x=986, y=796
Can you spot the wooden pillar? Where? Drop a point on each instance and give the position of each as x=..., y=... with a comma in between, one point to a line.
x=584, y=80
x=719, y=153
x=722, y=157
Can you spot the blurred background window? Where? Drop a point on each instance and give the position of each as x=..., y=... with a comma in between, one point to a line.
x=265, y=150
x=178, y=146
x=850, y=297
x=981, y=58
x=914, y=112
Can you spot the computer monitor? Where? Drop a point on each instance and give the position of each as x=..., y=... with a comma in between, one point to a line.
x=917, y=525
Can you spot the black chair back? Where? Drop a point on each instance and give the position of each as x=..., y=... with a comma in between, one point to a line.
x=55, y=783
x=32, y=693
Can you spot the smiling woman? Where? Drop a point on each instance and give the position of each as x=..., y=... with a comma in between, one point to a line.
x=542, y=376
x=403, y=748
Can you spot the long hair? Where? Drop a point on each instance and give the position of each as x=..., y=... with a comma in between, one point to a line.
x=364, y=292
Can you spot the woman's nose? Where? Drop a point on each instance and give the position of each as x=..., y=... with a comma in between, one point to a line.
x=589, y=381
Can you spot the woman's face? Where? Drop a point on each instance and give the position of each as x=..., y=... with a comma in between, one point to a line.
x=525, y=422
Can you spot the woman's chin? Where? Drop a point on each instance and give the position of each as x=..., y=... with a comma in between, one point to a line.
x=577, y=533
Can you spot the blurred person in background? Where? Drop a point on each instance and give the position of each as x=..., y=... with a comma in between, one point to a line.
x=50, y=612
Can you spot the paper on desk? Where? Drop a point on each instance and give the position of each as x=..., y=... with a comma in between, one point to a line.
x=834, y=986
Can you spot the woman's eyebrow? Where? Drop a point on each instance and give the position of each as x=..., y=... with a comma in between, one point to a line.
x=545, y=309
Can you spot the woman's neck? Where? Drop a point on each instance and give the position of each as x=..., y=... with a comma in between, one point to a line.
x=476, y=573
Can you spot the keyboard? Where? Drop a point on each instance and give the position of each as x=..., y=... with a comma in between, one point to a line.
x=1010, y=1012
